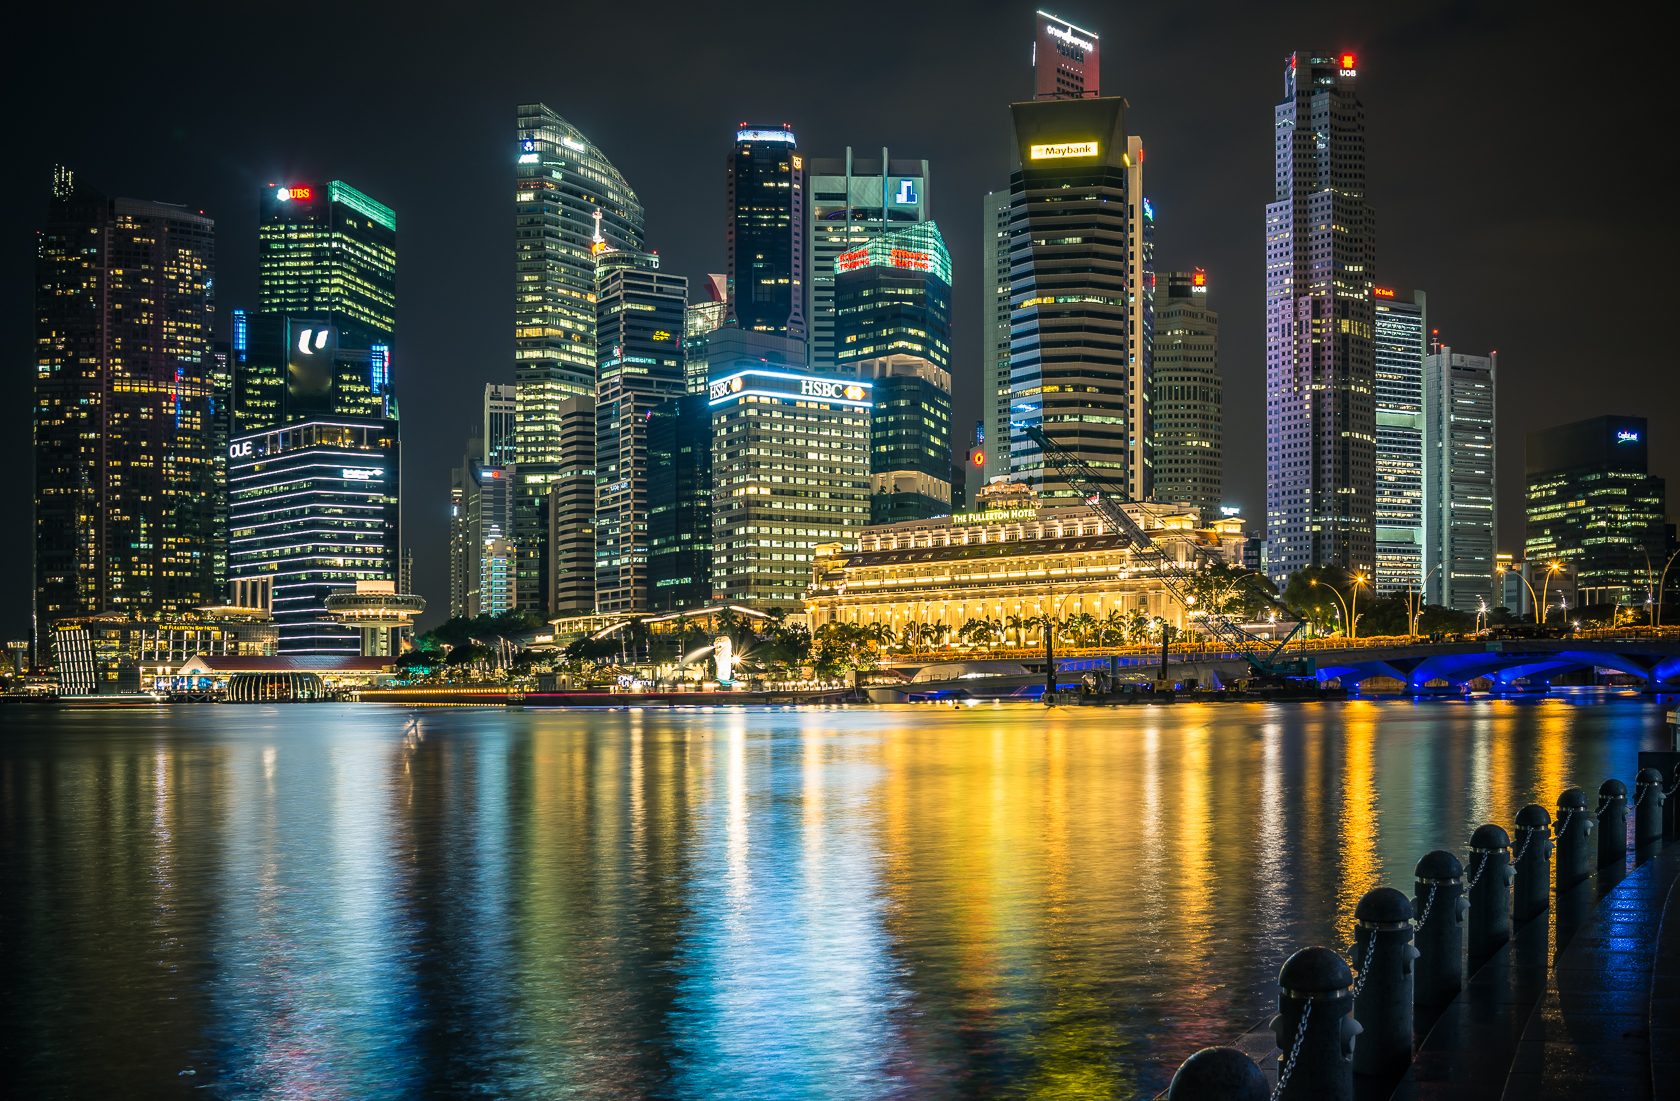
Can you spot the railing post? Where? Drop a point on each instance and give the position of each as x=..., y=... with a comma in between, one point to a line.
x=1314, y=984
x=1534, y=871
x=1440, y=907
x=1612, y=824
x=1648, y=813
x=1218, y=1074
x=1383, y=1005
x=1490, y=898
x=1574, y=838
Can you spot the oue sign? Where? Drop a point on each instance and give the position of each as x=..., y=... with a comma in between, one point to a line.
x=240, y=450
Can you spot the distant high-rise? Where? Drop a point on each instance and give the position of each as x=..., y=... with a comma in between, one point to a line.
x=790, y=465
x=848, y=201
x=893, y=326
x=700, y=321
x=1399, y=341
x=640, y=364
x=1593, y=505
x=1461, y=486
x=1081, y=288
x=483, y=566
x=501, y=424
x=569, y=510
x=764, y=234
x=126, y=410
x=569, y=204
x=1064, y=60
x=1320, y=271
x=679, y=526
x=1187, y=411
x=994, y=330
x=322, y=339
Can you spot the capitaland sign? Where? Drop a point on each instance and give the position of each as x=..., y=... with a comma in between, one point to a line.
x=1064, y=149
x=1627, y=435
x=995, y=516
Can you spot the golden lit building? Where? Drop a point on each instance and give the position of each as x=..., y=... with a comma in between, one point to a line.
x=1009, y=558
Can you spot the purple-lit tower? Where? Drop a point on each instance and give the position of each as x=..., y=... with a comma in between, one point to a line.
x=1320, y=379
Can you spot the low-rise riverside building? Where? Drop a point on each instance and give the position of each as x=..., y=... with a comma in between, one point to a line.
x=1010, y=558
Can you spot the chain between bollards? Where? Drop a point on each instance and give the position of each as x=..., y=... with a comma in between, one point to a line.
x=1365, y=972
x=1300, y=1035
x=1529, y=836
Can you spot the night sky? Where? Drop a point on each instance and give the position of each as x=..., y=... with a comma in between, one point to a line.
x=1513, y=157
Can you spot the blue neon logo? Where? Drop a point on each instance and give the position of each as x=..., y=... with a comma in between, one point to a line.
x=1627, y=436
x=1148, y=211
x=906, y=193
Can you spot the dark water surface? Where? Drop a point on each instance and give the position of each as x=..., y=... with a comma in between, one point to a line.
x=362, y=901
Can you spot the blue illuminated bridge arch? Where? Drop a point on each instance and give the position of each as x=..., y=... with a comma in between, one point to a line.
x=1505, y=661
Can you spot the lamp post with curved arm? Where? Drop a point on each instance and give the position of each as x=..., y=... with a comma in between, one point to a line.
x=1551, y=568
x=1353, y=615
x=1346, y=618
x=1416, y=610
x=1663, y=583
x=1531, y=593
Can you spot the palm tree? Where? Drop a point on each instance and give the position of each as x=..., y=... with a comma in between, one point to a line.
x=1113, y=627
x=1017, y=626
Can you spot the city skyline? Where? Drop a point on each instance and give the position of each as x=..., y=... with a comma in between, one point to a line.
x=453, y=334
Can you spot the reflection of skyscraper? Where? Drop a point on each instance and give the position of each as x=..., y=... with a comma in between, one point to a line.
x=126, y=410
x=641, y=311
x=1399, y=324
x=320, y=343
x=1320, y=270
x=561, y=182
x=764, y=234
x=850, y=200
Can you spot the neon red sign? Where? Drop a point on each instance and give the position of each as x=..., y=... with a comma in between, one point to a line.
x=285, y=193
x=1382, y=292
x=1347, y=61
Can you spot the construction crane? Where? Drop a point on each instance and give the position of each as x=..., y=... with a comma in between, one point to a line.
x=1261, y=654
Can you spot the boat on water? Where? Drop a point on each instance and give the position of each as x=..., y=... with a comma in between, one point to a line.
x=112, y=699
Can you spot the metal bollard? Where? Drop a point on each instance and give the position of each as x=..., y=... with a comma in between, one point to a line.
x=1612, y=824
x=1317, y=1059
x=1218, y=1074
x=1440, y=906
x=1490, y=898
x=1574, y=831
x=1382, y=1003
x=1648, y=808
x=1534, y=867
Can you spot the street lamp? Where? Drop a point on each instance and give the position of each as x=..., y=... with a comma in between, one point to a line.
x=1416, y=610
x=1531, y=593
x=1663, y=583
x=1347, y=619
x=1550, y=569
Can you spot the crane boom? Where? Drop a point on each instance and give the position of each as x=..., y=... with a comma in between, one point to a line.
x=1179, y=580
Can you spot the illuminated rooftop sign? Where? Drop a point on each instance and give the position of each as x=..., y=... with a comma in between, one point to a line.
x=1065, y=149
x=1627, y=436
x=995, y=516
x=919, y=247
x=1070, y=38
x=1382, y=292
x=285, y=193
x=765, y=135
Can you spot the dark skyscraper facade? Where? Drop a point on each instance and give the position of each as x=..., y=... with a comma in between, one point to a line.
x=1320, y=368
x=764, y=234
x=570, y=204
x=126, y=406
x=1187, y=414
x=320, y=343
x=640, y=356
x=1080, y=293
x=679, y=449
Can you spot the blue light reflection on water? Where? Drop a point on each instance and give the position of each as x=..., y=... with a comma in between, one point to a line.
x=333, y=901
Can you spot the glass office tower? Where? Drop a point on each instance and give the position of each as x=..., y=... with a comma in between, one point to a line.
x=1399, y=340
x=1460, y=480
x=679, y=449
x=570, y=203
x=848, y=201
x=764, y=234
x=126, y=414
x=640, y=312
x=893, y=326
x=1187, y=412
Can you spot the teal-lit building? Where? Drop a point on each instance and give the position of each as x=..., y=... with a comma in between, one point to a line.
x=892, y=309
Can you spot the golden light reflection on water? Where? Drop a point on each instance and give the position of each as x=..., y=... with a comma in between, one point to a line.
x=860, y=903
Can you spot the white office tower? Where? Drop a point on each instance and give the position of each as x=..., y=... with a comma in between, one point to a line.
x=994, y=325
x=1460, y=525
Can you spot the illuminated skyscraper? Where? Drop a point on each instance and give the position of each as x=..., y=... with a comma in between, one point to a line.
x=1080, y=293
x=125, y=415
x=321, y=341
x=700, y=321
x=1320, y=271
x=764, y=234
x=641, y=312
x=994, y=330
x=848, y=201
x=501, y=424
x=569, y=204
x=1400, y=324
x=1460, y=481
x=1187, y=412
x=1064, y=60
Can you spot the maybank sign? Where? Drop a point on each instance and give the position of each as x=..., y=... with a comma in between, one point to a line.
x=1065, y=149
